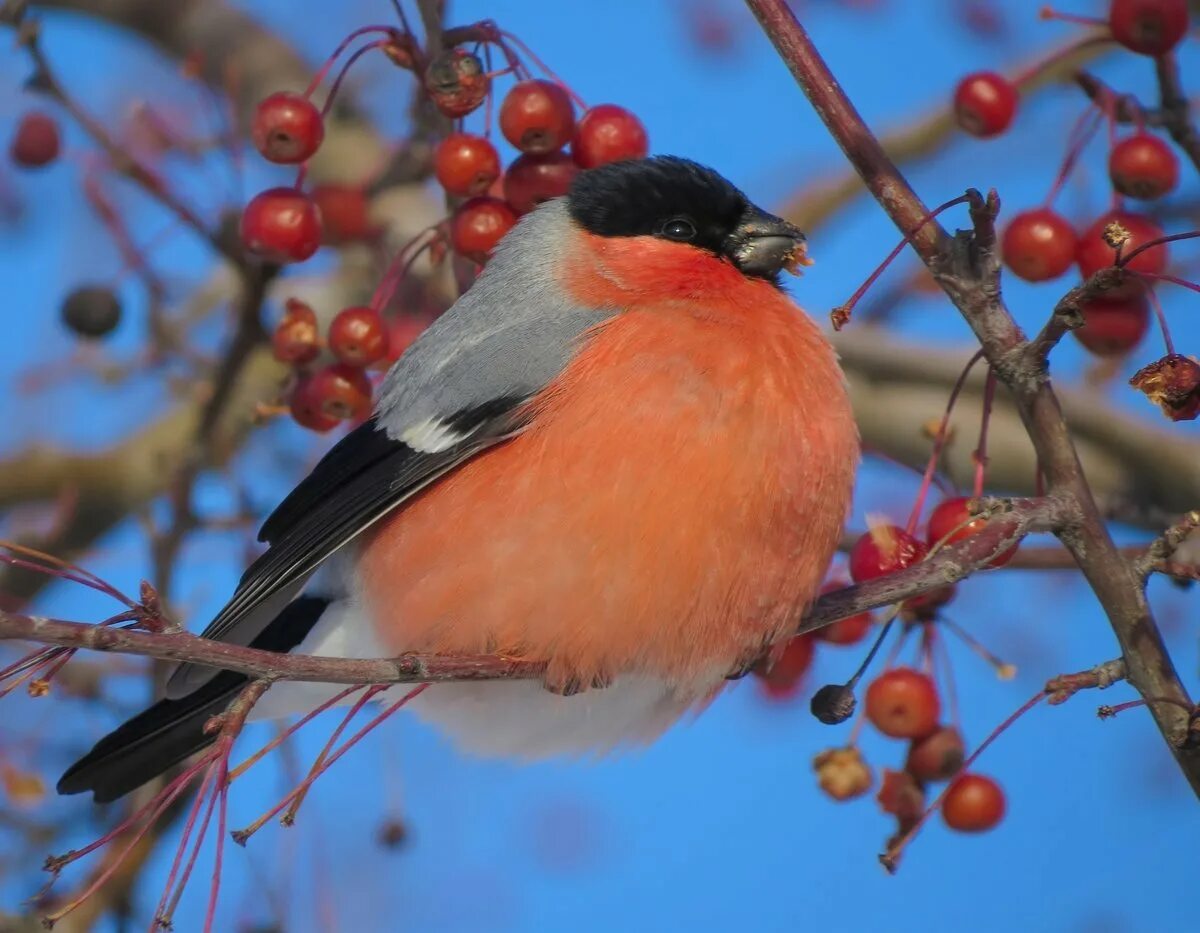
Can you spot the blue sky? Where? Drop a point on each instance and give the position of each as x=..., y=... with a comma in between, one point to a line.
x=720, y=824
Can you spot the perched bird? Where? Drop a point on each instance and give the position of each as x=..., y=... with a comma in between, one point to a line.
x=624, y=452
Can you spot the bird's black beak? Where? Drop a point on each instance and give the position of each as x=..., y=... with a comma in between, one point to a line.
x=764, y=245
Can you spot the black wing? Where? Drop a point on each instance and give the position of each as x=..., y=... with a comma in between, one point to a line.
x=360, y=480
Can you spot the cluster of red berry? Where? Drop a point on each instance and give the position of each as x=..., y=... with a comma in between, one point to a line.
x=359, y=339
x=901, y=702
x=537, y=116
x=1040, y=244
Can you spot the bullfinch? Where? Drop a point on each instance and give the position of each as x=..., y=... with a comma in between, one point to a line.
x=623, y=452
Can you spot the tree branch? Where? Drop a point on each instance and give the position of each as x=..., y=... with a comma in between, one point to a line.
x=1008, y=522
x=967, y=268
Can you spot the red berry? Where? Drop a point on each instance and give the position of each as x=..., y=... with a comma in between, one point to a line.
x=457, y=82
x=1151, y=27
x=608, y=133
x=782, y=678
x=1144, y=167
x=478, y=225
x=952, y=521
x=883, y=550
x=35, y=142
x=345, y=213
x=536, y=116
x=1039, y=245
x=937, y=757
x=901, y=795
x=985, y=104
x=281, y=225
x=848, y=631
x=1113, y=327
x=358, y=336
x=287, y=128
x=532, y=179
x=973, y=804
x=296, y=339
x=403, y=329
x=903, y=703
x=1094, y=252
x=305, y=406
x=466, y=165
x=341, y=392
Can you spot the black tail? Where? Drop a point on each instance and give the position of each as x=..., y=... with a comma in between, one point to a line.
x=171, y=730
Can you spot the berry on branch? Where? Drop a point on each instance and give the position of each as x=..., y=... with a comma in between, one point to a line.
x=358, y=336
x=466, y=165
x=952, y=521
x=1097, y=248
x=478, y=225
x=973, y=804
x=903, y=703
x=937, y=757
x=305, y=405
x=345, y=214
x=341, y=392
x=281, y=225
x=608, y=133
x=532, y=179
x=457, y=82
x=287, y=128
x=1112, y=327
x=1143, y=166
x=296, y=339
x=883, y=550
x=1039, y=245
x=536, y=116
x=782, y=675
x=36, y=140
x=985, y=104
x=1150, y=27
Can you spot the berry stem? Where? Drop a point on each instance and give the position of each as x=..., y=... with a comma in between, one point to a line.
x=1037, y=69
x=323, y=71
x=345, y=69
x=165, y=908
x=841, y=315
x=240, y=836
x=291, y=730
x=939, y=443
x=1174, y=280
x=1172, y=238
x=891, y=857
x=1080, y=135
x=948, y=679
x=542, y=66
x=1162, y=320
x=398, y=268
x=290, y=816
x=1004, y=670
x=980, y=453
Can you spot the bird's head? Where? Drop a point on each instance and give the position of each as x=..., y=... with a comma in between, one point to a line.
x=668, y=225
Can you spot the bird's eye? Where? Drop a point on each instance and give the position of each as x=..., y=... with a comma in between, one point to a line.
x=680, y=228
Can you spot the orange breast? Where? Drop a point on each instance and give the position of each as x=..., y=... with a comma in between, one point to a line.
x=672, y=509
